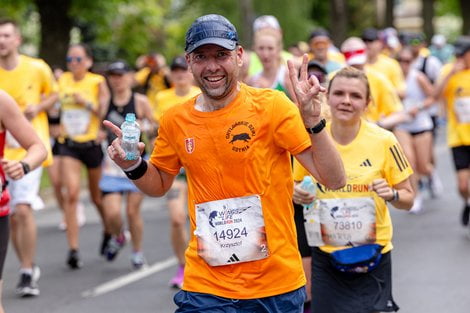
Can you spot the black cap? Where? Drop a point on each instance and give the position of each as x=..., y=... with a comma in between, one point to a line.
x=370, y=34
x=312, y=65
x=118, y=67
x=462, y=45
x=211, y=29
x=179, y=62
x=319, y=32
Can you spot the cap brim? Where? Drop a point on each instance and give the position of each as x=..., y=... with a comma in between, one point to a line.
x=116, y=72
x=357, y=60
x=224, y=43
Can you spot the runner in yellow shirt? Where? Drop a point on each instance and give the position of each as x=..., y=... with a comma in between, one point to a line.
x=382, y=63
x=455, y=88
x=385, y=108
x=29, y=81
x=84, y=97
x=355, y=217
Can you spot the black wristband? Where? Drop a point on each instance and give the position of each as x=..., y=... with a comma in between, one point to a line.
x=26, y=167
x=137, y=172
x=396, y=196
x=317, y=128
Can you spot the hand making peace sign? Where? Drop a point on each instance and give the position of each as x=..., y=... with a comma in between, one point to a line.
x=307, y=91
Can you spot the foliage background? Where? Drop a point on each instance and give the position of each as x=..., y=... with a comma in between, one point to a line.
x=129, y=28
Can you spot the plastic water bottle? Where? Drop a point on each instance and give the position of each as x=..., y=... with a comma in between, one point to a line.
x=130, y=137
x=311, y=213
x=308, y=185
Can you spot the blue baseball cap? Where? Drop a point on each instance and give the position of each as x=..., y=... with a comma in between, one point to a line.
x=211, y=29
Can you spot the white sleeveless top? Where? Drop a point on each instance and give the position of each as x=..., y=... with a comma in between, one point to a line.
x=415, y=96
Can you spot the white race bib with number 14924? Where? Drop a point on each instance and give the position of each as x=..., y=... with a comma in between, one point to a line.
x=231, y=231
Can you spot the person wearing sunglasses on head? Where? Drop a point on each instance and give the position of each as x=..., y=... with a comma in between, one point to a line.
x=84, y=97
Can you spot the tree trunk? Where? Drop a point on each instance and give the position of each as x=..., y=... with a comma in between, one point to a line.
x=247, y=19
x=338, y=21
x=55, y=30
x=465, y=12
x=428, y=17
x=389, y=10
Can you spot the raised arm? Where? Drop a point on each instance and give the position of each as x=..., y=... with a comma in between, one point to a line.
x=322, y=159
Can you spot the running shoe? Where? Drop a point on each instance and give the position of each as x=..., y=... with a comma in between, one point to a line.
x=465, y=214
x=138, y=261
x=28, y=283
x=73, y=260
x=177, y=281
x=114, y=245
x=104, y=243
x=417, y=207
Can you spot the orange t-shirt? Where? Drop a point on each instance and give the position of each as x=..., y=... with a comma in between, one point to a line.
x=219, y=166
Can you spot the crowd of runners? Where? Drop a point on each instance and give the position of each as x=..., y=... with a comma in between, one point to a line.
x=361, y=119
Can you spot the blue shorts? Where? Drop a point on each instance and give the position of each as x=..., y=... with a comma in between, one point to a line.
x=192, y=302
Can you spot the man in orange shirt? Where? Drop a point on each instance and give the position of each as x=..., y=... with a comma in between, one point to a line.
x=235, y=143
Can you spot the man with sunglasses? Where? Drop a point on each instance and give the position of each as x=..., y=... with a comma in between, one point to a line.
x=30, y=82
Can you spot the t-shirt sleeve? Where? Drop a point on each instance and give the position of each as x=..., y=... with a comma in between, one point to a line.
x=289, y=129
x=47, y=80
x=141, y=76
x=390, y=101
x=397, y=168
x=164, y=155
x=299, y=171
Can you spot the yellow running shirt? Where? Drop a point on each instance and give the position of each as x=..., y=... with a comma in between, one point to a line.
x=77, y=122
x=364, y=162
x=457, y=96
x=391, y=69
x=155, y=84
x=385, y=100
x=27, y=83
x=168, y=98
x=242, y=149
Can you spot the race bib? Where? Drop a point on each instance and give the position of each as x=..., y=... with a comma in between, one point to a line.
x=348, y=222
x=312, y=225
x=231, y=231
x=462, y=109
x=75, y=121
x=11, y=142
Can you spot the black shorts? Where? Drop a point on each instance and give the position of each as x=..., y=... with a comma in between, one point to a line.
x=337, y=292
x=56, y=147
x=4, y=233
x=461, y=156
x=89, y=152
x=302, y=242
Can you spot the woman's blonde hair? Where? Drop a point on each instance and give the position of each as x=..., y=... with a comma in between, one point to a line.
x=351, y=72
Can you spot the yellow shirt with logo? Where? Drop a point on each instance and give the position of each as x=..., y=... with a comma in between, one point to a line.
x=168, y=98
x=27, y=83
x=364, y=162
x=391, y=69
x=457, y=96
x=88, y=88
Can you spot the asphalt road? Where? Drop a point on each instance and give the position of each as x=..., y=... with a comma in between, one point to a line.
x=431, y=262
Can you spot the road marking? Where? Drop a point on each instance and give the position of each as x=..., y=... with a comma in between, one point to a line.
x=129, y=278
